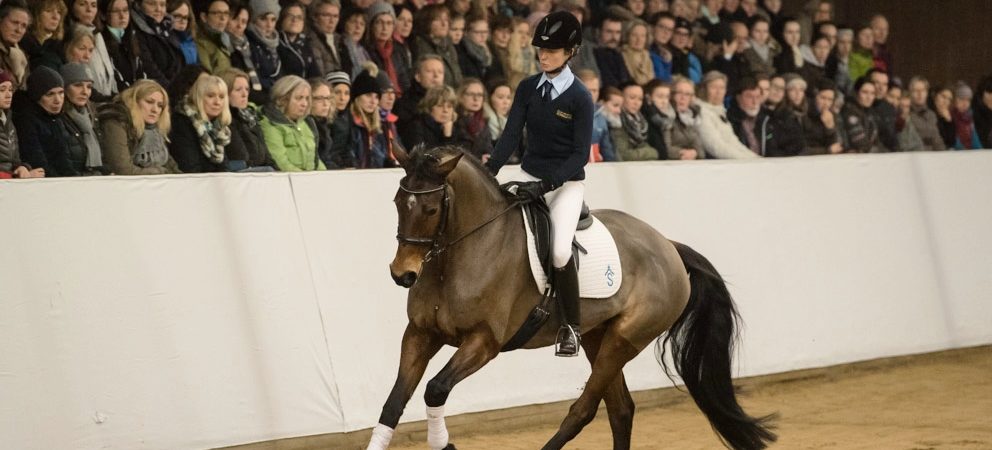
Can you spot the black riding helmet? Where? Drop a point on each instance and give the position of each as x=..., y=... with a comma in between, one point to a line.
x=559, y=29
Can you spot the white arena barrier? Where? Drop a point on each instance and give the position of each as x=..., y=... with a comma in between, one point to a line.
x=188, y=312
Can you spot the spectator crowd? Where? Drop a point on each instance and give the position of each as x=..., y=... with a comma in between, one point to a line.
x=98, y=87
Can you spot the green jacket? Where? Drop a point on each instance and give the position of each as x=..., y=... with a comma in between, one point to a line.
x=293, y=146
x=214, y=55
x=859, y=63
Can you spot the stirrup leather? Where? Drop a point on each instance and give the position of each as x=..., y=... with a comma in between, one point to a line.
x=568, y=342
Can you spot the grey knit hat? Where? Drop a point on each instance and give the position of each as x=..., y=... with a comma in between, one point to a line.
x=75, y=73
x=962, y=90
x=42, y=80
x=337, y=78
x=260, y=8
x=378, y=8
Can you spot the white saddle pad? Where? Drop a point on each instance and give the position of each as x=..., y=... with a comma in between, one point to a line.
x=599, y=270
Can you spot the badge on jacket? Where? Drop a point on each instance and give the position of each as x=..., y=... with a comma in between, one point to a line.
x=563, y=115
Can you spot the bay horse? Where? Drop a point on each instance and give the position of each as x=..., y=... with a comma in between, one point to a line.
x=462, y=254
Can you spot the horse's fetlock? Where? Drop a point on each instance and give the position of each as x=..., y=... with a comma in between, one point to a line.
x=436, y=393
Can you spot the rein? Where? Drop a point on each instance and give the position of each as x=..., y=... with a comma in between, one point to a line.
x=435, y=243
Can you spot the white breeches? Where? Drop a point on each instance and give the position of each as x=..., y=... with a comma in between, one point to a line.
x=565, y=204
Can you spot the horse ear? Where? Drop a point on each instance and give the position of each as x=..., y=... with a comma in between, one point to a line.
x=446, y=165
x=401, y=155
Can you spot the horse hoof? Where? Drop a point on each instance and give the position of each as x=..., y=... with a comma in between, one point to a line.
x=450, y=446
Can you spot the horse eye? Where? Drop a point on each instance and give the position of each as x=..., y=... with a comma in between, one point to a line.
x=431, y=211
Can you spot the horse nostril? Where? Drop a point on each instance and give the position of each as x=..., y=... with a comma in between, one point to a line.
x=406, y=280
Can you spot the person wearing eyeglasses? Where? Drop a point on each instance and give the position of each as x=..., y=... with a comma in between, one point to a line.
x=474, y=56
x=162, y=58
x=294, y=47
x=183, y=29
x=121, y=42
x=264, y=42
x=212, y=42
x=325, y=42
x=384, y=50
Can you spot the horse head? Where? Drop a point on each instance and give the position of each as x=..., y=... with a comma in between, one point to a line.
x=422, y=203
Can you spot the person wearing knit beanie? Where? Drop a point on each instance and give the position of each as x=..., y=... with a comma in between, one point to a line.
x=377, y=8
x=42, y=80
x=260, y=8
x=365, y=82
x=74, y=73
x=335, y=78
x=6, y=77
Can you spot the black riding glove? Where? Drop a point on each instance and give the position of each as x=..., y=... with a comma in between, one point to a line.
x=492, y=167
x=526, y=191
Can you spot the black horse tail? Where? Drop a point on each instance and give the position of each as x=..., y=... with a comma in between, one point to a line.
x=702, y=343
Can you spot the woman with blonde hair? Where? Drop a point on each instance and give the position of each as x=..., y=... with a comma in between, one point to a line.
x=80, y=46
x=43, y=41
x=359, y=140
x=290, y=133
x=134, y=129
x=201, y=137
x=635, y=52
x=245, y=118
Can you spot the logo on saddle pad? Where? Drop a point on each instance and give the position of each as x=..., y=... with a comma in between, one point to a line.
x=600, y=272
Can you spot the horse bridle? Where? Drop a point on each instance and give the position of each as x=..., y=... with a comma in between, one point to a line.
x=435, y=243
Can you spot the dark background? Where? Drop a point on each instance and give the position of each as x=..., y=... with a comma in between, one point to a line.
x=943, y=40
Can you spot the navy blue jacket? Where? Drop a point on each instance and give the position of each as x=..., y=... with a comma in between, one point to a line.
x=559, y=132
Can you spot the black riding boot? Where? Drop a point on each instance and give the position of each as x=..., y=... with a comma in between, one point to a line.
x=567, y=285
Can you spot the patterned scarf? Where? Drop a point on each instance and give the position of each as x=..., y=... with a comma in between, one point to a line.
x=213, y=137
x=636, y=127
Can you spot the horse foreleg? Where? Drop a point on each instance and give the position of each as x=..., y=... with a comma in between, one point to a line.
x=417, y=349
x=476, y=351
x=614, y=352
x=619, y=404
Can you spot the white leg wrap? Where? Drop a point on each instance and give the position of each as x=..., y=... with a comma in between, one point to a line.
x=381, y=435
x=437, y=433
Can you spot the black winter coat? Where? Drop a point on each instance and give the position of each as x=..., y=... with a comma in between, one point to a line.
x=184, y=146
x=126, y=56
x=247, y=130
x=267, y=62
x=325, y=141
x=44, y=142
x=764, y=129
x=160, y=52
x=886, y=116
x=429, y=133
x=297, y=57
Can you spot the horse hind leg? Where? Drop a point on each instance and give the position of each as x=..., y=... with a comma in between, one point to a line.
x=475, y=352
x=619, y=403
x=613, y=353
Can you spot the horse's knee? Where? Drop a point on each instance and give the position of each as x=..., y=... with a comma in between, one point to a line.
x=582, y=414
x=437, y=392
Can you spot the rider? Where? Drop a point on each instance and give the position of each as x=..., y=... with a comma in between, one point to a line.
x=557, y=110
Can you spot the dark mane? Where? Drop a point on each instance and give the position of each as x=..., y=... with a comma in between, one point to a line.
x=423, y=162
